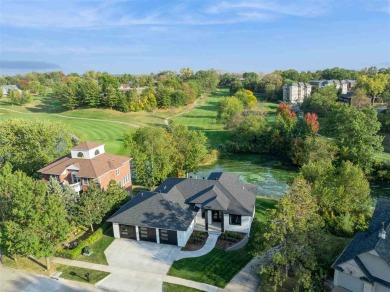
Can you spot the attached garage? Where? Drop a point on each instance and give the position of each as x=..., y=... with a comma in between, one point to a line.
x=168, y=236
x=127, y=231
x=147, y=234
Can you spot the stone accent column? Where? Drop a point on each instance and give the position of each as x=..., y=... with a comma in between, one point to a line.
x=157, y=235
x=137, y=232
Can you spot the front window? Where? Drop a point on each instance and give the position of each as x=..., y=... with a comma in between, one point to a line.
x=86, y=181
x=203, y=213
x=75, y=178
x=117, y=172
x=97, y=152
x=80, y=154
x=234, y=219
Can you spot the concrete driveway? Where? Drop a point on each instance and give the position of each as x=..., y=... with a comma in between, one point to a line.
x=141, y=255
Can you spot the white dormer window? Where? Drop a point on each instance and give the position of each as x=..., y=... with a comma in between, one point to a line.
x=117, y=171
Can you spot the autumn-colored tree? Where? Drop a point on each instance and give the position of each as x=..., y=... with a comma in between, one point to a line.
x=312, y=121
x=286, y=111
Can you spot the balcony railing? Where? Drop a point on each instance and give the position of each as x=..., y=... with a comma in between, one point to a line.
x=76, y=186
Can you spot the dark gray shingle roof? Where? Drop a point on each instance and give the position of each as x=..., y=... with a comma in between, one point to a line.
x=369, y=240
x=172, y=205
x=151, y=209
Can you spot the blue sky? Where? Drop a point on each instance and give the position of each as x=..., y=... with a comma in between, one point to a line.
x=150, y=36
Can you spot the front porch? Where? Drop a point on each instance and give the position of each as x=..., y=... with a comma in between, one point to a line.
x=210, y=221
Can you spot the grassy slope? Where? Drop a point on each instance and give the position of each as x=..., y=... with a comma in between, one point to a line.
x=218, y=267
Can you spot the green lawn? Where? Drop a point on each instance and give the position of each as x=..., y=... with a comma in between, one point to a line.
x=204, y=118
x=218, y=267
x=78, y=274
x=28, y=264
x=110, y=126
x=98, y=248
x=169, y=287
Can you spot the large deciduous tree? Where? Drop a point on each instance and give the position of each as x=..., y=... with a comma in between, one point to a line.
x=29, y=145
x=294, y=230
x=343, y=194
x=92, y=206
x=33, y=222
x=190, y=148
x=356, y=134
x=229, y=111
x=154, y=154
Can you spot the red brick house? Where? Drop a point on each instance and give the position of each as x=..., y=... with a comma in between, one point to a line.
x=89, y=162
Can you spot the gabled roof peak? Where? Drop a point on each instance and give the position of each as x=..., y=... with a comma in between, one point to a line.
x=87, y=145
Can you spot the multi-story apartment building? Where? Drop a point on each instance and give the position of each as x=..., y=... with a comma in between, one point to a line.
x=296, y=92
x=345, y=85
x=89, y=162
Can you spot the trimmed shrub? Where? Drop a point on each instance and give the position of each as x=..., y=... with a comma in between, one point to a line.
x=74, y=253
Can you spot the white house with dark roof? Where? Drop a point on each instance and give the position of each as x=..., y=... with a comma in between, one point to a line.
x=179, y=206
x=7, y=88
x=364, y=265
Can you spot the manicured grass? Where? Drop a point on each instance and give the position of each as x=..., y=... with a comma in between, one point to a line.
x=98, y=249
x=204, y=118
x=28, y=264
x=106, y=129
x=78, y=274
x=169, y=287
x=218, y=267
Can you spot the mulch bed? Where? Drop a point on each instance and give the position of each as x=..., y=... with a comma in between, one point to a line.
x=228, y=239
x=196, y=241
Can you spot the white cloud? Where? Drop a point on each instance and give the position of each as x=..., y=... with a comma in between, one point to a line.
x=300, y=8
x=100, y=14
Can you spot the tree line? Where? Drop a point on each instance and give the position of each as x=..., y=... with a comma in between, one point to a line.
x=374, y=82
x=161, y=152
x=172, y=89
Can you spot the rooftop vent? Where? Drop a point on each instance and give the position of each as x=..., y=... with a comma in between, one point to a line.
x=382, y=233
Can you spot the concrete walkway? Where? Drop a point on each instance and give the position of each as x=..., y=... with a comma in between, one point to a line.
x=208, y=246
x=248, y=280
x=130, y=275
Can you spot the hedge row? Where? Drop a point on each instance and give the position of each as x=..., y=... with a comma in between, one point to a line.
x=74, y=253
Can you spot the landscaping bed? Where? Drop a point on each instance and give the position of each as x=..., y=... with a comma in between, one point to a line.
x=196, y=241
x=228, y=239
x=75, y=250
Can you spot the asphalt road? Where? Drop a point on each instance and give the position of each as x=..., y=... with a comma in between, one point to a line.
x=12, y=280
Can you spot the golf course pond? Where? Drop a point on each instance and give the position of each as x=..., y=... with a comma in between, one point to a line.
x=272, y=175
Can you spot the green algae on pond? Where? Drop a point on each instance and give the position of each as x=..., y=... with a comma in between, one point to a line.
x=271, y=174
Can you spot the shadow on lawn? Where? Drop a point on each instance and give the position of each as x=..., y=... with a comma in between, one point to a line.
x=50, y=104
x=74, y=274
x=37, y=262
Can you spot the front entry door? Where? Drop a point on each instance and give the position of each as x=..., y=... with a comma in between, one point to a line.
x=217, y=217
